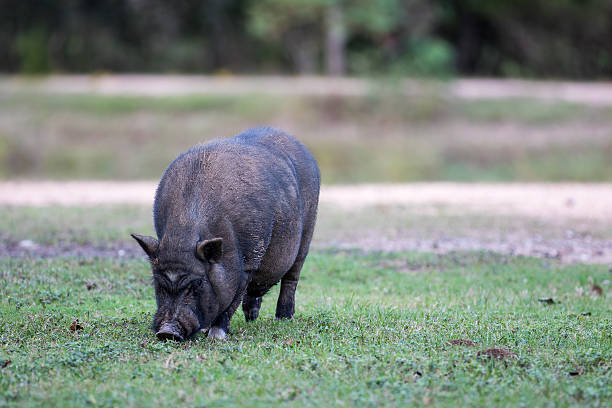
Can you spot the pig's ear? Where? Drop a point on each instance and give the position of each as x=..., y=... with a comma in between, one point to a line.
x=210, y=250
x=148, y=244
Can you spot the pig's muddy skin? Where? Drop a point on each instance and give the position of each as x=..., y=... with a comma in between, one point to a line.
x=233, y=217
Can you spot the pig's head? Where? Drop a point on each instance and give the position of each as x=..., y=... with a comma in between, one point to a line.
x=191, y=289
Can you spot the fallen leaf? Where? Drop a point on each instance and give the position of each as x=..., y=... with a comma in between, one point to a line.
x=75, y=325
x=289, y=342
x=548, y=301
x=576, y=372
x=497, y=353
x=597, y=289
x=462, y=342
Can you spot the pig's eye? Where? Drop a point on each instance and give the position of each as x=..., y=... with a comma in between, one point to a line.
x=162, y=291
x=197, y=283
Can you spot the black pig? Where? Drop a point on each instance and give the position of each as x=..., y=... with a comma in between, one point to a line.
x=233, y=217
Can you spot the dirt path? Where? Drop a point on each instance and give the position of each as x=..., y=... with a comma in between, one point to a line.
x=570, y=222
x=592, y=93
x=588, y=201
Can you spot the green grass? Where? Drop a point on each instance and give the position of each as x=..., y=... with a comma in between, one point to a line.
x=525, y=111
x=78, y=225
x=110, y=106
x=380, y=137
x=370, y=330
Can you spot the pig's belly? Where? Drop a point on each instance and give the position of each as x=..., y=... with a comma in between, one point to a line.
x=279, y=258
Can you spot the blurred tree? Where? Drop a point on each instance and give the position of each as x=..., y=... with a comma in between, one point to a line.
x=568, y=38
x=294, y=25
x=335, y=39
x=31, y=46
x=301, y=27
x=530, y=37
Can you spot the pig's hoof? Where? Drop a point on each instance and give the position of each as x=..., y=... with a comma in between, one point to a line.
x=251, y=315
x=250, y=307
x=284, y=312
x=217, y=333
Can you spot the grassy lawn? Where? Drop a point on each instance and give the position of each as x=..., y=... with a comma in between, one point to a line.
x=380, y=137
x=76, y=225
x=370, y=329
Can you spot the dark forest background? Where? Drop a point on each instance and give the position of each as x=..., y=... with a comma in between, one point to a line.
x=529, y=38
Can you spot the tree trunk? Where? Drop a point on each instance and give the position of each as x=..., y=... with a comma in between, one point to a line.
x=335, y=52
x=302, y=49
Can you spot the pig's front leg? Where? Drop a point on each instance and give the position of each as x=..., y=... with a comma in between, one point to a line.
x=220, y=327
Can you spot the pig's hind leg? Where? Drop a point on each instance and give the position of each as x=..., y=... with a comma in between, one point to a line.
x=285, y=306
x=251, y=306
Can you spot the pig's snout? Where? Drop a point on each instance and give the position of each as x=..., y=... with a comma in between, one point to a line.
x=170, y=331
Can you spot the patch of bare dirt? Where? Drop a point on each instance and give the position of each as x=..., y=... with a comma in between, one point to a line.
x=497, y=353
x=575, y=250
x=75, y=193
x=462, y=342
x=591, y=93
x=593, y=201
x=546, y=200
x=542, y=205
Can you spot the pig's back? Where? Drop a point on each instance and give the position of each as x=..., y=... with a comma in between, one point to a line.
x=260, y=183
x=285, y=147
